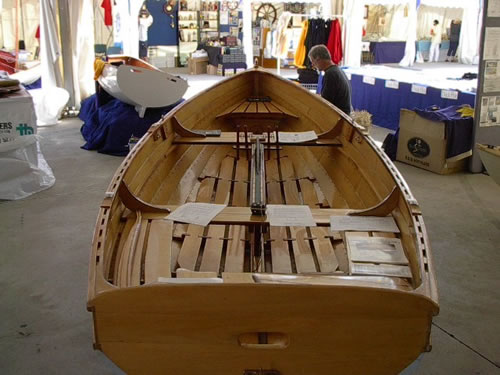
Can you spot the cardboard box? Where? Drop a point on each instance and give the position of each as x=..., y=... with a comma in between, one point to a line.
x=422, y=143
x=198, y=65
x=212, y=69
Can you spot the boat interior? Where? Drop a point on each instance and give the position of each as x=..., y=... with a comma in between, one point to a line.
x=226, y=149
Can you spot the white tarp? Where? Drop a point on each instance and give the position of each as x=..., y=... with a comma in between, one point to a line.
x=23, y=169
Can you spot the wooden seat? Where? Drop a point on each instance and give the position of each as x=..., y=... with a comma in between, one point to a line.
x=257, y=108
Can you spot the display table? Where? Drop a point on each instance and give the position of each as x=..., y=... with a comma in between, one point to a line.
x=387, y=52
x=215, y=60
x=17, y=115
x=423, y=47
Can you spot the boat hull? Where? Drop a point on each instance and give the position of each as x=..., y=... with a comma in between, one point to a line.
x=292, y=299
x=142, y=85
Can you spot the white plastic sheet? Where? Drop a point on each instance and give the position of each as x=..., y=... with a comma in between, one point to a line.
x=49, y=104
x=23, y=169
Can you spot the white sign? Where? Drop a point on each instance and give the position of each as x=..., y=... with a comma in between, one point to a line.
x=449, y=94
x=289, y=137
x=419, y=89
x=196, y=213
x=369, y=80
x=363, y=224
x=224, y=18
x=491, y=49
x=281, y=215
x=490, y=111
x=390, y=84
x=17, y=116
x=491, y=81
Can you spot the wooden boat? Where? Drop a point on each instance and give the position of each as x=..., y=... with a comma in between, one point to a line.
x=240, y=296
x=140, y=84
x=490, y=156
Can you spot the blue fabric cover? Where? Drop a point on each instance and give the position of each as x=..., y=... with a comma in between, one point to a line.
x=387, y=52
x=109, y=123
x=35, y=85
x=385, y=103
x=458, y=129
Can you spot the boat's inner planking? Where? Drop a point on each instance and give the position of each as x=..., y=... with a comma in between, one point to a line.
x=150, y=247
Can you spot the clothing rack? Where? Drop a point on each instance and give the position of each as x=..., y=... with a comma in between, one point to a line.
x=331, y=16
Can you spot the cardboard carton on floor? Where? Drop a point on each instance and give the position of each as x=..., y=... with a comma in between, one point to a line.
x=198, y=65
x=422, y=143
x=212, y=70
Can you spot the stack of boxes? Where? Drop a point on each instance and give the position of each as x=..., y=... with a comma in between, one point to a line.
x=233, y=55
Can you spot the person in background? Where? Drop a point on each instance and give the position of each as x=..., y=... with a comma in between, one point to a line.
x=145, y=20
x=335, y=85
x=435, y=42
x=455, y=27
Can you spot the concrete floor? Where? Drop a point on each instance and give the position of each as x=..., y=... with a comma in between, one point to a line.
x=45, y=242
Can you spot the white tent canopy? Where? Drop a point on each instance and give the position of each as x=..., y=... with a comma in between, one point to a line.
x=353, y=15
x=468, y=46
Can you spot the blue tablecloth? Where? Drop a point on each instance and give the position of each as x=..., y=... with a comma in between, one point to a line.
x=425, y=45
x=385, y=103
x=387, y=52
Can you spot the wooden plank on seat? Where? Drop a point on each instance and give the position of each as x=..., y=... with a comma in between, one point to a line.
x=191, y=247
x=235, y=251
x=304, y=260
x=280, y=254
x=213, y=249
x=224, y=182
x=192, y=241
x=289, y=182
x=158, y=251
x=324, y=251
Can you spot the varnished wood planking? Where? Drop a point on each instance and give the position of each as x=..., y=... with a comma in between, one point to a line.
x=213, y=249
x=135, y=275
x=310, y=118
x=158, y=251
x=324, y=251
x=235, y=248
x=237, y=233
x=396, y=323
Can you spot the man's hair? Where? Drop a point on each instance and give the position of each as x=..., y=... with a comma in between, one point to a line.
x=436, y=22
x=319, y=52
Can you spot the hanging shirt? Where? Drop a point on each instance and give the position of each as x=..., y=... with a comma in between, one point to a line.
x=108, y=17
x=300, y=53
x=144, y=23
x=335, y=42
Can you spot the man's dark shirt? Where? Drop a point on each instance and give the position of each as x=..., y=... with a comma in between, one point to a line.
x=336, y=88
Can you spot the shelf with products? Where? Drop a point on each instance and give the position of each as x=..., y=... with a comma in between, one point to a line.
x=189, y=34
